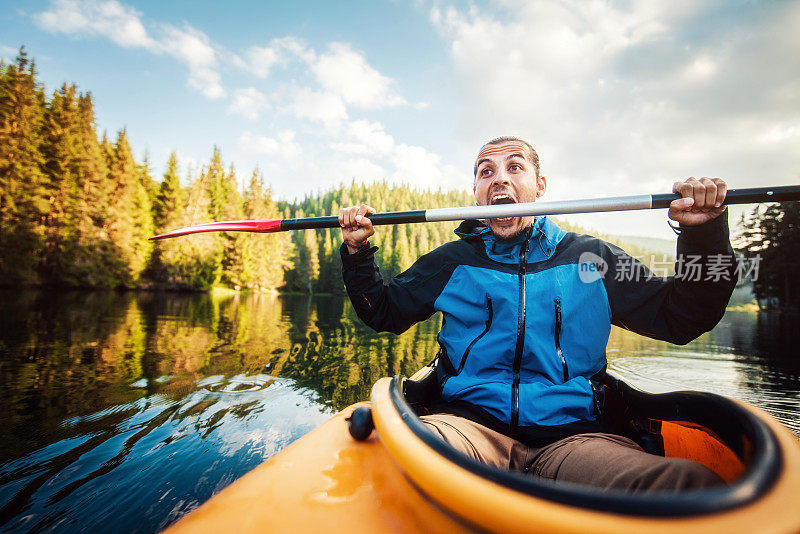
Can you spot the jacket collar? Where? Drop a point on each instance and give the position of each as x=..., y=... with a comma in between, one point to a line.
x=542, y=238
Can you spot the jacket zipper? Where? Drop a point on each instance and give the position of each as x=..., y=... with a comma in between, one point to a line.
x=520, y=339
x=485, y=330
x=557, y=303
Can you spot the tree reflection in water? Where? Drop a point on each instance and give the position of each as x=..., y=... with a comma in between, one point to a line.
x=159, y=400
x=129, y=409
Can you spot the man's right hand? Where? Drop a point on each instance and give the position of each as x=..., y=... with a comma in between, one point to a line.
x=356, y=227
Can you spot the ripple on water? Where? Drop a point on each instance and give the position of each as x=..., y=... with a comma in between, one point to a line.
x=743, y=379
x=193, y=445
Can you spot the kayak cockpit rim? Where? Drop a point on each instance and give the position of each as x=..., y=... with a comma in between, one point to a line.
x=762, y=471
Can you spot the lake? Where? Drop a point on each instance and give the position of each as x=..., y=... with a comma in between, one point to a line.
x=124, y=411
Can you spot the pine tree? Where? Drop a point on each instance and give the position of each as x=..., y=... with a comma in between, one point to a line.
x=77, y=212
x=168, y=204
x=226, y=204
x=307, y=260
x=130, y=214
x=220, y=189
x=328, y=273
x=266, y=256
x=193, y=262
x=96, y=250
x=23, y=197
x=771, y=237
x=145, y=172
x=61, y=262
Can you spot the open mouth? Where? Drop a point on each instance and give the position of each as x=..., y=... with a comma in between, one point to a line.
x=502, y=198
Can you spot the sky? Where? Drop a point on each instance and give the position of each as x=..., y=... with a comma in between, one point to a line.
x=618, y=98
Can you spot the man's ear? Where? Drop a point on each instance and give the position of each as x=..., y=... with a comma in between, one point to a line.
x=541, y=186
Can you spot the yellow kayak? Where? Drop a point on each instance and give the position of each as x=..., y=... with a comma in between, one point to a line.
x=402, y=478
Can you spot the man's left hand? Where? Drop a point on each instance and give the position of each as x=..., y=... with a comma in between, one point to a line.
x=701, y=200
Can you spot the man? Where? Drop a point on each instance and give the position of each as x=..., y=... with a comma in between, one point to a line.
x=527, y=311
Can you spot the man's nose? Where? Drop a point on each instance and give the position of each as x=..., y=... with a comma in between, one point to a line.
x=501, y=177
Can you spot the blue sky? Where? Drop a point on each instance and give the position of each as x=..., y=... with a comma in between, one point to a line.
x=619, y=98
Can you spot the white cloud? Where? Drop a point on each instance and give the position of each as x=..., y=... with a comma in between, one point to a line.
x=361, y=169
x=291, y=46
x=780, y=133
x=619, y=97
x=249, y=103
x=349, y=148
x=418, y=166
x=409, y=164
x=122, y=24
x=359, y=149
x=109, y=19
x=700, y=69
x=372, y=135
x=364, y=137
x=342, y=78
x=259, y=60
x=284, y=146
x=8, y=52
x=346, y=73
x=193, y=48
x=317, y=106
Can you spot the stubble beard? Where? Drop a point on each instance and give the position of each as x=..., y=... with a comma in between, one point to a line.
x=516, y=229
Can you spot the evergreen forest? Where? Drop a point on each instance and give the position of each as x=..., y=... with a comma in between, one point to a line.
x=77, y=209
x=771, y=233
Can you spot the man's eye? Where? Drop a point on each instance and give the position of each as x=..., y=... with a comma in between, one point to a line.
x=486, y=172
x=515, y=167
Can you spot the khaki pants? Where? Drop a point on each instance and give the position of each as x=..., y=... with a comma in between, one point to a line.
x=600, y=460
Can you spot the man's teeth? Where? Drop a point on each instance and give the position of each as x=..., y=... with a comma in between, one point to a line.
x=500, y=198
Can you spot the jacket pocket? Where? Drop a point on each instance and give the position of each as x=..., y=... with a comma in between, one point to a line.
x=485, y=330
x=557, y=307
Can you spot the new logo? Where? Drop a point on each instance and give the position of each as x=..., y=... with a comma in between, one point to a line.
x=591, y=267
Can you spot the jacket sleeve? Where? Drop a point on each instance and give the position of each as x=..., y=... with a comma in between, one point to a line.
x=407, y=299
x=679, y=308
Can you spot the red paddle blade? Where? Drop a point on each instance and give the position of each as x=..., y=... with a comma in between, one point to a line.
x=225, y=226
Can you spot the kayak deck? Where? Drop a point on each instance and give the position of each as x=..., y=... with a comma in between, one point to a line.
x=324, y=481
x=400, y=480
x=760, y=499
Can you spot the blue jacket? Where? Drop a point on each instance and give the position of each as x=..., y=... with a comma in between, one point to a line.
x=526, y=322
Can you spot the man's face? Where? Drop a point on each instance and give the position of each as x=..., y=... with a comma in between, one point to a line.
x=505, y=176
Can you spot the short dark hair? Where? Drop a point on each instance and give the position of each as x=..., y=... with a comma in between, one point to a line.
x=531, y=155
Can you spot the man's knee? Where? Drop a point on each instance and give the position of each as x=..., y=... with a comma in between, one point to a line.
x=615, y=462
x=450, y=433
x=677, y=474
x=476, y=441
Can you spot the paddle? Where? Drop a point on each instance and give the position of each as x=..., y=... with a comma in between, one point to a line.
x=590, y=205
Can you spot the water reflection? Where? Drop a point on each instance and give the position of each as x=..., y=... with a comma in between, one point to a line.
x=157, y=401
x=748, y=356
x=127, y=410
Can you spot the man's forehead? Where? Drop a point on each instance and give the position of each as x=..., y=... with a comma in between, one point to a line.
x=503, y=149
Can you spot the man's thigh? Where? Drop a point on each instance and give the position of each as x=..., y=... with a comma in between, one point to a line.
x=611, y=461
x=479, y=442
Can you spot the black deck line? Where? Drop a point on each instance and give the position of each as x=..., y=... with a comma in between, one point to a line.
x=332, y=221
x=753, y=195
x=731, y=421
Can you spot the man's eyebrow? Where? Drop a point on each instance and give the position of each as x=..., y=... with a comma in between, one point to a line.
x=514, y=155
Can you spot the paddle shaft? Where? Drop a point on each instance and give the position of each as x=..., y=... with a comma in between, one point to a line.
x=591, y=205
